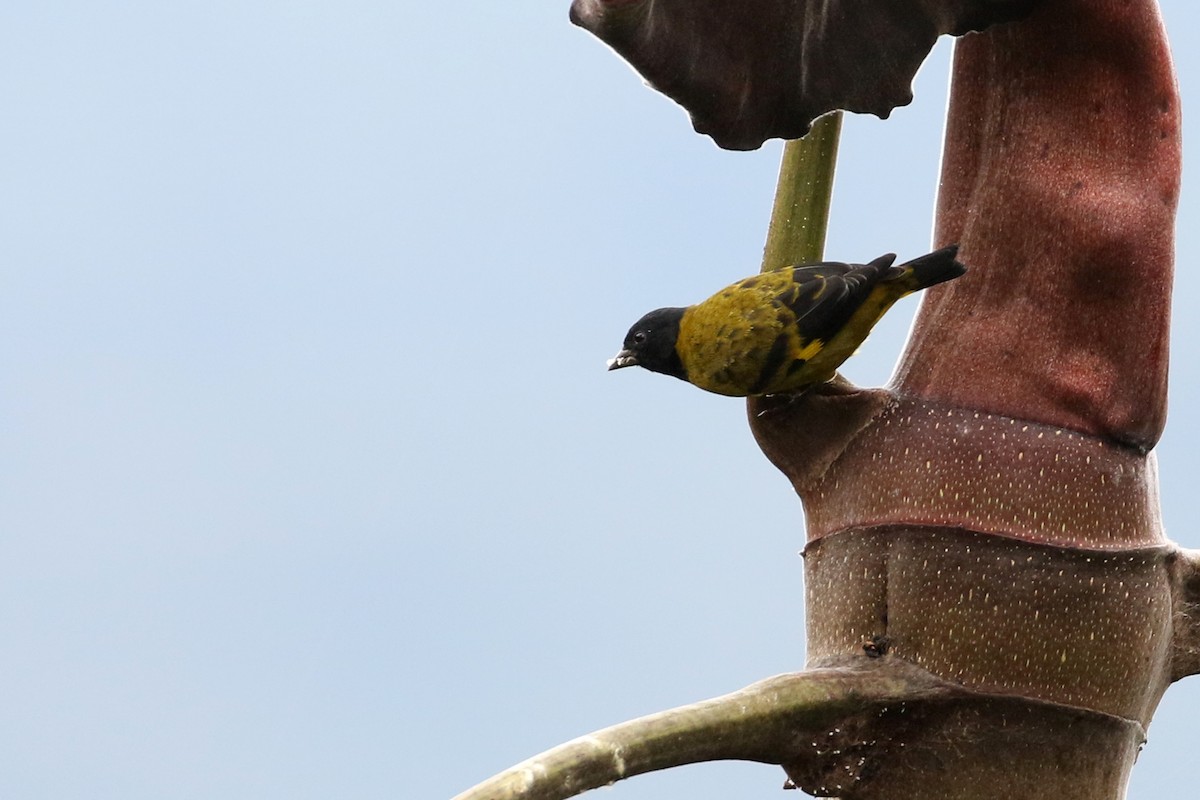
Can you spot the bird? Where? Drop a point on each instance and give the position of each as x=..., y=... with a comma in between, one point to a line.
x=779, y=332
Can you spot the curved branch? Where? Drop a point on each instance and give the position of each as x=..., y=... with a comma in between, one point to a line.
x=766, y=722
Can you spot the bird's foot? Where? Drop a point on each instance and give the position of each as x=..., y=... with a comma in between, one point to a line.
x=774, y=403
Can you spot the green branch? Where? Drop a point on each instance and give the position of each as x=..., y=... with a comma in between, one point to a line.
x=800, y=216
x=759, y=723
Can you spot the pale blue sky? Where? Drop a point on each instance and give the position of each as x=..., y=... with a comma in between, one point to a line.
x=314, y=483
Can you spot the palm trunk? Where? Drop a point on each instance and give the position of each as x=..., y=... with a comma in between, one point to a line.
x=993, y=518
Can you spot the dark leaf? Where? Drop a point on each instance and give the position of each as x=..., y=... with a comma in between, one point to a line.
x=752, y=70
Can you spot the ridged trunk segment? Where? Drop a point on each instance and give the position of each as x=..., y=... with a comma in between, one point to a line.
x=930, y=464
x=1087, y=629
x=971, y=749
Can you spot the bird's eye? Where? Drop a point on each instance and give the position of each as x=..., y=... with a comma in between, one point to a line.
x=639, y=337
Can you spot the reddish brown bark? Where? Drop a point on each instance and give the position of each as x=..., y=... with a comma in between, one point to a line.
x=1060, y=178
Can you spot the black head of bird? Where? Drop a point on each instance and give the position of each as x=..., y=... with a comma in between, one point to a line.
x=650, y=344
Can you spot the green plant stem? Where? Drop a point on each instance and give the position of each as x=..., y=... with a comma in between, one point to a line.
x=800, y=216
x=765, y=722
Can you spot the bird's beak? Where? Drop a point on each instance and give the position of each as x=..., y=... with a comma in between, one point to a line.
x=622, y=359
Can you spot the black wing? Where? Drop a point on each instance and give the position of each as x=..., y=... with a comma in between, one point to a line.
x=824, y=296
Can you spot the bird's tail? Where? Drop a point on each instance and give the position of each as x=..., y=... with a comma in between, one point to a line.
x=929, y=270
